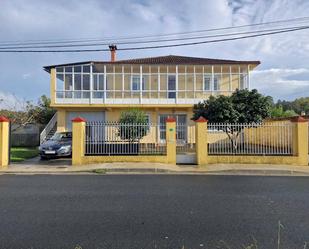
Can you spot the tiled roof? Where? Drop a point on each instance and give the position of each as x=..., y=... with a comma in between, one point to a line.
x=168, y=60
x=177, y=60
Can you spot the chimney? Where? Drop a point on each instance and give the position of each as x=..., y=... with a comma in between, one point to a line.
x=113, y=49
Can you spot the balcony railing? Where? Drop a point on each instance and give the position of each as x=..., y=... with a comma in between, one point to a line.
x=133, y=97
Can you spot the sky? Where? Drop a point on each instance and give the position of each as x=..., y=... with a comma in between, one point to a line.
x=284, y=69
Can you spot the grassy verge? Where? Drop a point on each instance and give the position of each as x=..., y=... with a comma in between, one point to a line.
x=99, y=171
x=19, y=154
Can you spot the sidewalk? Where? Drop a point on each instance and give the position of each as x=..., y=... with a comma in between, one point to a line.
x=64, y=167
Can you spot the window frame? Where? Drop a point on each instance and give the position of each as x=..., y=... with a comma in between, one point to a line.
x=204, y=82
x=137, y=76
x=218, y=78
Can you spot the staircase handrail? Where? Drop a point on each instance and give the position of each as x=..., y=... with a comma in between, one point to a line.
x=51, y=124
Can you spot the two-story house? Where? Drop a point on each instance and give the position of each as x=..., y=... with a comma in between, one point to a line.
x=161, y=86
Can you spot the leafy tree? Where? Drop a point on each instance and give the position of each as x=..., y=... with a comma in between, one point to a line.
x=278, y=112
x=242, y=107
x=135, y=127
x=29, y=113
x=298, y=105
x=42, y=113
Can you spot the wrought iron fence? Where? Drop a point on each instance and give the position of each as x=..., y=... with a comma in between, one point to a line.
x=250, y=139
x=111, y=138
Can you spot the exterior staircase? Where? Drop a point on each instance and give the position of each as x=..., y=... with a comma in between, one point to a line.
x=49, y=130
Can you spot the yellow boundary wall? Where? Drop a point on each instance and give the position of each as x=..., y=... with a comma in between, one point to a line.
x=78, y=147
x=300, y=148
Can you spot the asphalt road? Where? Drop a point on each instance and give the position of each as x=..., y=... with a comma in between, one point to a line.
x=159, y=211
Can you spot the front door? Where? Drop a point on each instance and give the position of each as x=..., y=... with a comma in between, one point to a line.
x=171, y=86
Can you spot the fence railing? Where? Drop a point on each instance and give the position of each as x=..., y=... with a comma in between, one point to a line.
x=108, y=138
x=250, y=139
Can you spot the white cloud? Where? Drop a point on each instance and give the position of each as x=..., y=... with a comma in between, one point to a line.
x=9, y=101
x=26, y=75
x=282, y=83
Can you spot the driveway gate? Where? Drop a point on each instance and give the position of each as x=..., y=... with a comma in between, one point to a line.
x=185, y=147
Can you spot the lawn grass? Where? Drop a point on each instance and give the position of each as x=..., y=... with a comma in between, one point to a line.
x=19, y=154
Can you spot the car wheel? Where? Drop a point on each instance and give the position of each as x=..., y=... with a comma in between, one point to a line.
x=43, y=158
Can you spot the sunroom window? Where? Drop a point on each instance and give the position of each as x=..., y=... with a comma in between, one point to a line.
x=73, y=82
x=135, y=83
x=216, y=83
x=98, y=85
x=207, y=82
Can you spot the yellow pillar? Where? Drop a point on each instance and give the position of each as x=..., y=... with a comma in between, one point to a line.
x=4, y=142
x=61, y=120
x=52, y=85
x=201, y=141
x=171, y=140
x=78, y=140
x=300, y=140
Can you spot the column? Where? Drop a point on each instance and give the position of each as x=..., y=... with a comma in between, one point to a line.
x=4, y=142
x=53, y=86
x=300, y=140
x=78, y=140
x=171, y=140
x=201, y=141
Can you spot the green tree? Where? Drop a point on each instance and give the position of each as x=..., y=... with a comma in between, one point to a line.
x=298, y=105
x=134, y=126
x=242, y=107
x=42, y=113
x=278, y=112
x=29, y=113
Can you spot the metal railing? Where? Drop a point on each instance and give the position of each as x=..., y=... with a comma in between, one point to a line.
x=250, y=139
x=111, y=138
x=185, y=136
x=48, y=128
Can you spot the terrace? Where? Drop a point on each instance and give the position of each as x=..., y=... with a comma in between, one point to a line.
x=100, y=83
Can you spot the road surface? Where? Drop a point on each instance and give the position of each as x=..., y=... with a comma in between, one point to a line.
x=152, y=211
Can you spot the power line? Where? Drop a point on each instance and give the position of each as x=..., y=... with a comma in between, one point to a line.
x=117, y=40
x=152, y=41
x=158, y=46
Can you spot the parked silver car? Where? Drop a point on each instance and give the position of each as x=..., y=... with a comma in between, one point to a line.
x=59, y=145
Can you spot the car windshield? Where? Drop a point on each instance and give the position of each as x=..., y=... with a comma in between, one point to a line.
x=61, y=136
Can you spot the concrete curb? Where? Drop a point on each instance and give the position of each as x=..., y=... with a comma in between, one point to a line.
x=248, y=172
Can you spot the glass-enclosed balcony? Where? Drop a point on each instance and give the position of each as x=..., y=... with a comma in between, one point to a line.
x=143, y=84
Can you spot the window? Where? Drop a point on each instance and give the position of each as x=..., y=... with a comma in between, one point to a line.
x=171, y=86
x=60, y=85
x=73, y=81
x=208, y=86
x=242, y=81
x=135, y=83
x=207, y=83
x=216, y=83
x=98, y=85
x=148, y=122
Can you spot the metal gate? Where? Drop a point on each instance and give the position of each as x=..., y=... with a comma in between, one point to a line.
x=185, y=147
